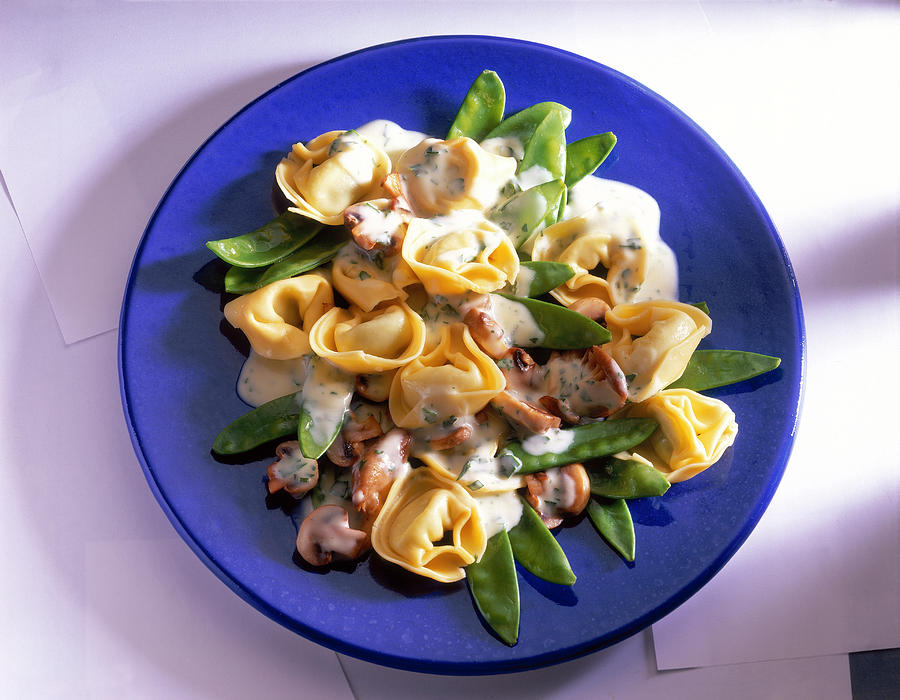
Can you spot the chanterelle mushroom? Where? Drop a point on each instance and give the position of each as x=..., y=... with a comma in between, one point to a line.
x=326, y=532
x=586, y=384
x=347, y=448
x=520, y=401
x=292, y=471
x=383, y=462
x=559, y=493
x=487, y=332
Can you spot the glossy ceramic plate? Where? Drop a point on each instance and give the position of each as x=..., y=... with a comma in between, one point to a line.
x=178, y=369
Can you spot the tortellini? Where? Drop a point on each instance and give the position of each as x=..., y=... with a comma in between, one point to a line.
x=652, y=342
x=440, y=176
x=615, y=238
x=368, y=281
x=331, y=172
x=420, y=508
x=276, y=318
x=461, y=253
x=456, y=378
x=694, y=430
x=365, y=342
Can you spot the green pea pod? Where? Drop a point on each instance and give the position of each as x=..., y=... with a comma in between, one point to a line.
x=563, y=328
x=625, y=478
x=267, y=244
x=523, y=214
x=613, y=521
x=326, y=396
x=240, y=280
x=270, y=421
x=535, y=548
x=538, y=277
x=581, y=443
x=585, y=155
x=482, y=108
x=702, y=306
x=529, y=126
x=495, y=588
x=547, y=147
x=708, y=369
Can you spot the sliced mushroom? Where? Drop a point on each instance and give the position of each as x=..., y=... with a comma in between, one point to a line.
x=583, y=384
x=374, y=228
x=529, y=416
x=452, y=439
x=382, y=463
x=486, y=332
x=347, y=448
x=559, y=493
x=292, y=471
x=326, y=532
x=592, y=307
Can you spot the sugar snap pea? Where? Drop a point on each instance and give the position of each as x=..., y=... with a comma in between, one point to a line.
x=538, y=277
x=535, y=548
x=482, y=108
x=326, y=396
x=625, y=478
x=241, y=280
x=523, y=214
x=563, y=328
x=582, y=442
x=585, y=155
x=540, y=129
x=267, y=244
x=708, y=369
x=702, y=306
x=613, y=521
x=495, y=588
x=272, y=420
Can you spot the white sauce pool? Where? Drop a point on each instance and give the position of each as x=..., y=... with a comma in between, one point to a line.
x=499, y=511
x=392, y=138
x=262, y=380
x=554, y=440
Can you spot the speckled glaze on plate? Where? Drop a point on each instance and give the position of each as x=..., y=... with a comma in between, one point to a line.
x=178, y=371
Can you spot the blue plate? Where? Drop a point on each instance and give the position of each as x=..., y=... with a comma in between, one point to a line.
x=178, y=371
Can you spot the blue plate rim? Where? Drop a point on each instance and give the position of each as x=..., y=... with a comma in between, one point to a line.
x=509, y=665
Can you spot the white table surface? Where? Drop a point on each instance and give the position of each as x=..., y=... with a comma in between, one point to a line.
x=100, y=105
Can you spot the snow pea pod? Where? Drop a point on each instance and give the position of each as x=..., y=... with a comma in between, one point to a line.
x=708, y=369
x=482, y=108
x=538, y=277
x=541, y=143
x=523, y=214
x=613, y=521
x=495, y=588
x=581, y=443
x=535, y=548
x=585, y=155
x=625, y=478
x=241, y=280
x=563, y=328
x=325, y=400
x=267, y=244
x=272, y=420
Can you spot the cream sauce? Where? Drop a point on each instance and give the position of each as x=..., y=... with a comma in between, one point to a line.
x=262, y=380
x=392, y=138
x=499, y=511
x=523, y=281
x=508, y=146
x=519, y=326
x=554, y=440
x=534, y=176
x=567, y=377
x=327, y=392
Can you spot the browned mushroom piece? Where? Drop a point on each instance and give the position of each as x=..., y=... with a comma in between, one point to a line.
x=326, y=532
x=583, y=384
x=529, y=416
x=374, y=228
x=292, y=471
x=347, y=447
x=382, y=463
x=486, y=332
x=393, y=185
x=452, y=439
x=592, y=307
x=559, y=493
x=374, y=387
